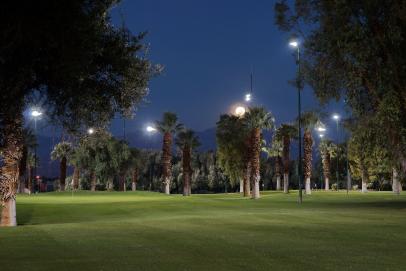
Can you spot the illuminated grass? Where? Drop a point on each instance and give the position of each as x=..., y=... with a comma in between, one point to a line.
x=151, y=231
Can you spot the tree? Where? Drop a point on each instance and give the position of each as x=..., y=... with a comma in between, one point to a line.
x=327, y=150
x=167, y=126
x=257, y=119
x=62, y=151
x=138, y=160
x=309, y=120
x=102, y=74
x=232, y=150
x=362, y=61
x=286, y=133
x=187, y=141
x=121, y=159
x=276, y=151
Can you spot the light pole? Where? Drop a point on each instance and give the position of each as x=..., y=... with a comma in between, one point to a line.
x=321, y=169
x=36, y=114
x=150, y=130
x=295, y=44
x=336, y=117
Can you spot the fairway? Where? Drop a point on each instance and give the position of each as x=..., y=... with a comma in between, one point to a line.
x=151, y=231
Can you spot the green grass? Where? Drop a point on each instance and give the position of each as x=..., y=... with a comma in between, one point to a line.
x=151, y=231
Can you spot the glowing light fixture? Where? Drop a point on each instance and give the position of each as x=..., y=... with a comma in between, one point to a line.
x=336, y=116
x=294, y=43
x=36, y=113
x=90, y=131
x=151, y=129
x=248, y=97
x=239, y=111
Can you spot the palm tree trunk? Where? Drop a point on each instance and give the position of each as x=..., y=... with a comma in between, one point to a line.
x=12, y=153
x=307, y=145
x=278, y=173
x=75, y=178
x=246, y=179
x=326, y=184
x=255, y=152
x=186, y=155
x=166, y=161
x=93, y=180
x=326, y=170
x=395, y=182
x=134, y=180
x=286, y=162
x=286, y=183
x=62, y=176
x=121, y=181
x=278, y=182
x=241, y=185
x=364, y=177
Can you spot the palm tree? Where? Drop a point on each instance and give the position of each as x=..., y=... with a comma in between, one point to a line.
x=256, y=119
x=327, y=150
x=275, y=151
x=187, y=141
x=309, y=120
x=167, y=126
x=285, y=133
x=62, y=151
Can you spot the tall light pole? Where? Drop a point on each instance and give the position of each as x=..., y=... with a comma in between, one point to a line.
x=321, y=170
x=36, y=114
x=248, y=96
x=336, y=117
x=295, y=44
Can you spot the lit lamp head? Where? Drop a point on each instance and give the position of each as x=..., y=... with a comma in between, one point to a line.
x=320, y=127
x=150, y=129
x=248, y=97
x=239, y=111
x=90, y=131
x=336, y=117
x=294, y=43
x=36, y=113
x=321, y=136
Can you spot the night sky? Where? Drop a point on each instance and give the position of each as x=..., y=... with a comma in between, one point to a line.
x=208, y=49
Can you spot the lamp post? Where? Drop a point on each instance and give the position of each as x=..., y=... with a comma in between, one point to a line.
x=36, y=114
x=295, y=44
x=150, y=130
x=336, y=117
x=321, y=168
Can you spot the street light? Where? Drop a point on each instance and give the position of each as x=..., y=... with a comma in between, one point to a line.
x=151, y=129
x=336, y=117
x=36, y=115
x=295, y=44
x=321, y=169
x=248, y=97
x=239, y=111
x=90, y=131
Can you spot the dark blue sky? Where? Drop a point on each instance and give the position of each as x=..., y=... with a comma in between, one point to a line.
x=208, y=48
